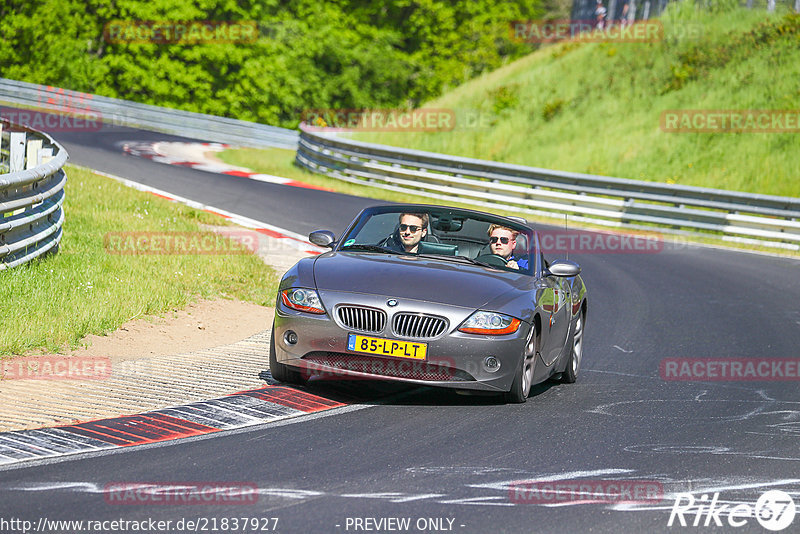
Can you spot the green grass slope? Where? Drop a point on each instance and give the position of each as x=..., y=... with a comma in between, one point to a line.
x=88, y=289
x=596, y=107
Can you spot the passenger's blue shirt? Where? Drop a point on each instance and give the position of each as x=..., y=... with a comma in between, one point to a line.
x=522, y=263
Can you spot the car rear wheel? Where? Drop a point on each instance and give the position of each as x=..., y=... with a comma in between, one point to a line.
x=521, y=387
x=279, y=371
x=570, y=373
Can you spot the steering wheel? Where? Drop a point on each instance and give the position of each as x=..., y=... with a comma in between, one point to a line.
x=492, y=259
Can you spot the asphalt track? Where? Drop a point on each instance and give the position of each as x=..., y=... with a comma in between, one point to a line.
x=449, y=463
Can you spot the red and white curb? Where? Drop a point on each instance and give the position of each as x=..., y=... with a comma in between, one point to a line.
x=287, y=237
x=239, y=410
x=192, y=155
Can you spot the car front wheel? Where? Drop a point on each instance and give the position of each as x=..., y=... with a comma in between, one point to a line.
x=521, y=387
x=570, y=374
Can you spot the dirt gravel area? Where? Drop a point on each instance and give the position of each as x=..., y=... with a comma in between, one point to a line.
x=202, y=325
x=210, y=349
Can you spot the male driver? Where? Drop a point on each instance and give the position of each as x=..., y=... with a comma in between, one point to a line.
x=502, y=241
x=413, y=227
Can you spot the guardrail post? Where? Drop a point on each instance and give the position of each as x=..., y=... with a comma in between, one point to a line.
x=16, y=152
x=32, y=154
x=45, y=155
x=3, y=162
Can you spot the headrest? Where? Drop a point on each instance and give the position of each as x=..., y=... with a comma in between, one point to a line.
x=447, y=223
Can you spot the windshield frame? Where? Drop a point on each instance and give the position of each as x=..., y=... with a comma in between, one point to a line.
x=436, y=212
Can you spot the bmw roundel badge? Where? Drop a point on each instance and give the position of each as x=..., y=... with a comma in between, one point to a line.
x=391, y=302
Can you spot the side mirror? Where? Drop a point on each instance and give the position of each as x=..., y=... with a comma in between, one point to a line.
x=564, y=268
x=322, y=238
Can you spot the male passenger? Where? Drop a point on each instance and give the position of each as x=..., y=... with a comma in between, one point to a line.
x=502, y=241
x=413, y=227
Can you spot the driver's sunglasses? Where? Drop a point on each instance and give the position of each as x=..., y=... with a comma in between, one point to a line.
x=503, y=240
x=414, y=228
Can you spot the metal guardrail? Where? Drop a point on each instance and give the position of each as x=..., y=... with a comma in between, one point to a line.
x=115, y=112
x=32, y=182
x=677, y=209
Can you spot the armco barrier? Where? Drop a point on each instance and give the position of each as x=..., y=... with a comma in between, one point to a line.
x=113, y=111
x=32, y=182
x=742, y=217
x=737, y=216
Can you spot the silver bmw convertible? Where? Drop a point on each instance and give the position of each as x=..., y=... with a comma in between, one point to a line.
x=434, y=296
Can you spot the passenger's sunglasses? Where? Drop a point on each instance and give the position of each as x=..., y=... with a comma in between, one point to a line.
x=503, y=240
x=414, y=228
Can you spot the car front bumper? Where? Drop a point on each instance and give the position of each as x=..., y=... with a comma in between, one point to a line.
x=454, y=359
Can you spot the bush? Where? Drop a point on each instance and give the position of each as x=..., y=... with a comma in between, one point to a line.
x=309, y=55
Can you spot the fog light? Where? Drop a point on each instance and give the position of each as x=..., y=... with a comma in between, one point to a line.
x=290, y=337
x=491, y=364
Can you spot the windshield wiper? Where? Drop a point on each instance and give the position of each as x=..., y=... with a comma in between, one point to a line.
x=369, y=248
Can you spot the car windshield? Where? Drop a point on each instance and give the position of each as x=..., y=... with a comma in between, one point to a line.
x=446, y=234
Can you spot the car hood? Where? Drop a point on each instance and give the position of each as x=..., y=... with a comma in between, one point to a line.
x=413, y=277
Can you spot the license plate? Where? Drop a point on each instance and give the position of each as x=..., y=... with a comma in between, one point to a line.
x=387, y=347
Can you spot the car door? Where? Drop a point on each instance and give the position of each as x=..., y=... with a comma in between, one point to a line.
x=553, y=301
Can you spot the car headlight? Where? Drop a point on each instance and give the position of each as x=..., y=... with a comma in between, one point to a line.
x=304, y=300
x=490, y=323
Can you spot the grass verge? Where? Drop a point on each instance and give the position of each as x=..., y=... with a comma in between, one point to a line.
x=55, y=301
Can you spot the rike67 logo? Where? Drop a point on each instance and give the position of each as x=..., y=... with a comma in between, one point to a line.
x=774, y=511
